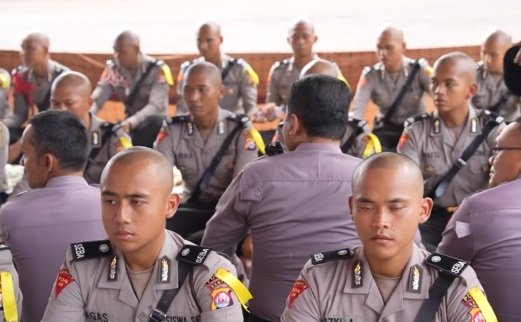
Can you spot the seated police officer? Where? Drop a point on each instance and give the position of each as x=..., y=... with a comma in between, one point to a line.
x=209, y=145
x=143, y=272
x=388, y=278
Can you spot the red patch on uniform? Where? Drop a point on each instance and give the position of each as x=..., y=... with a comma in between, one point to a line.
x=64, y=278
x=474, y=310
x=163, y=134
x=403, y=139
x=221, y=298
x=298, y=287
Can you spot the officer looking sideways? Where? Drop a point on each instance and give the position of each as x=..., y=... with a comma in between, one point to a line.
x=143, y=272
x=388, y=278
x=452, y=144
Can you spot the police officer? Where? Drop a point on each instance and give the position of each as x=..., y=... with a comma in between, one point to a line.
x=383, y=82
x=126, y=277
x=32, y=83
x=293, y=202
x=5, y=85
x=239, y=79
x=487, y=224
x=141, y=83
x=71, y=91
x=388, y=278
x=191, y=142
x=451, y=145
x=492, y=92
x=10, y=295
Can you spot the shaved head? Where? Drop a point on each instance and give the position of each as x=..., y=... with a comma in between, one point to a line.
x=301, y=22
x=211, y=26
x=76, y=80
x=38, y=38
x=392, y=33
x=320, y=67
x=461, y=63
x=493, y=51
x=500, y=37
x=209, y=70
x=142, y=159
x=407, y=168
x=129, y=38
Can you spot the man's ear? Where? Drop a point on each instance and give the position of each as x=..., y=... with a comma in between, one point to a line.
x=350, y=204
x=426, y=207
x=173, y=203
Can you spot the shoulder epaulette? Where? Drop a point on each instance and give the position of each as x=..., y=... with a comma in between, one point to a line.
x=354, y=122
x=3, y=246
x=107, y=126
x=91, y=249
x=446, y=264
x=335, y=255
x=186, y=64
x=193, y=254
x=274, y=149
x=413, y=119
x=179, y=119
x=489, y=116
x=367, y=69
x=238, y=118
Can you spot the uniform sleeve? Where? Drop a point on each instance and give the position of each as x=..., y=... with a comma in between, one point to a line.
x=65, y=301
x=7, y=266
x=157, y=101
x=229, y=224
x=20, y=111
x=408, y=145
x=458, y=238
x=246, y=152
x=4, y=152
x=165, y=143
x=362, y=95
x=302, y=303
x=103, y=90
x=272, y=91
x=248, y=88
x=217, y=299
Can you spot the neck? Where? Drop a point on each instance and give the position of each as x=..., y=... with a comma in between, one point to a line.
x=206, y=122
x=144, y=259
x=215, y=60
x=301, y=61
x=394, y=68
x=392, y=267
x=41, y=70
x=455, y=117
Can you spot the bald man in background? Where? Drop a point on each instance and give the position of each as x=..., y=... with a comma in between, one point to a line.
x=439, y=142
x=239, y=79
x=492, y=92
x=32, y=84
x=383, y=82
x=71, y=91
x=141, y=83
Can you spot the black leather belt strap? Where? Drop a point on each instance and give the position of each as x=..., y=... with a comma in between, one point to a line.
x=437, y=291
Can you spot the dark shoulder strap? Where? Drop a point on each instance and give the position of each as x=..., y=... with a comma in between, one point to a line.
x=358, y=126
x=44, y=105
x=108, y=131
x=401, y=94
x=439, y=189
x=449, y=269
x=208, y=173
x=132, y=96
x=228, y=68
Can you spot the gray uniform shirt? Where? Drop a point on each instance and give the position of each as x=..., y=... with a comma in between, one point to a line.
x=152, y=95
x=294, y=204
x=240, y=85
x=376, y=84
x=486, y=230
x=4, y=152
x=117, y=141
x=181, y=143
x=491, y=91
x=99, y=289
x=35, y=92
x=39, y=226
x=345, y=291
x=432, y=145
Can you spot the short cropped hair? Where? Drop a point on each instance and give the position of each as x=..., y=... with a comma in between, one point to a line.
x=61, y=134
x=321, y=102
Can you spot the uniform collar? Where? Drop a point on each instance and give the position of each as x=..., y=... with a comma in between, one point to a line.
x=472, y=125
x=65, y=181
x=292, y=62
x=219, y=127
x=404, y=71
x=318, y=147
x=51, y=66
x=116, y=265
x=95, y=122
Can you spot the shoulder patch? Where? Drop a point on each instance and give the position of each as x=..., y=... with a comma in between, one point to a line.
x=446, y=264
x=91, y=249
x=488, y=116
x=193, y=254
x=239, y=119
x=413, y=119
x=335, y=255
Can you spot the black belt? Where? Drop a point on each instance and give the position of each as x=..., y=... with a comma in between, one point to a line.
x=254, y=318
